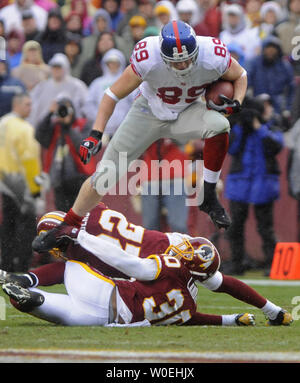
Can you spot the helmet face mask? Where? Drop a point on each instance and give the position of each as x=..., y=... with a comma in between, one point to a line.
x=199, y=255
x=178, y=45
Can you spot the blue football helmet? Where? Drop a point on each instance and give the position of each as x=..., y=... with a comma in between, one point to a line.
x=178, y=43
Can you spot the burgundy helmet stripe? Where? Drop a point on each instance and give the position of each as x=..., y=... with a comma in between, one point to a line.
x=177, y=37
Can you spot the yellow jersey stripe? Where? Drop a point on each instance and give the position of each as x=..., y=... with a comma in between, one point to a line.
x=158, y=262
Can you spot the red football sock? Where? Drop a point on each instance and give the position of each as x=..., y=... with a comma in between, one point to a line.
x=73, y=219
x=200, y=319
x=50, y=274
x=241, y=291
x=214, y=151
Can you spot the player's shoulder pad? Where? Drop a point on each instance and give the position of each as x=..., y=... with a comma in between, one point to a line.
x=213, y=54
x=145, y=55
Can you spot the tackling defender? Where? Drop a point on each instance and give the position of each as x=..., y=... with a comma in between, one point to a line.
x=171, y=72
x=112, y=226
x=164, y=292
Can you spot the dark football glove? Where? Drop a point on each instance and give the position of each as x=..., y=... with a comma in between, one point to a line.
x=228, y=107
x=55, y=237
x=90, y=146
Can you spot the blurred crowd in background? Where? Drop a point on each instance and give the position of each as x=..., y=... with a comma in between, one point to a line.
x=58, y=57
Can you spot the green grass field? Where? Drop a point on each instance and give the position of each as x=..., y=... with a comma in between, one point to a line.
x=21, y=331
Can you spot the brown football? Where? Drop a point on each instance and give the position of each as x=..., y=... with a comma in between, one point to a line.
x=216, y=88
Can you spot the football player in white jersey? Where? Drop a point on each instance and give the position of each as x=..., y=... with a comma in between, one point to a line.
x=171, y=71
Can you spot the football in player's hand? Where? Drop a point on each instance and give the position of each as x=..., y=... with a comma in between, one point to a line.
x=216, y=88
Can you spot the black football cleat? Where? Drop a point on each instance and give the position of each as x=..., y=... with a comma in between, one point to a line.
x=26, y=299
x=283, y=319
x=23, y=279
x=217, y=214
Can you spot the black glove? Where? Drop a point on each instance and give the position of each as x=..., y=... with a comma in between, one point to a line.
x=55, y=237
x=90, y=146
x=228, y=107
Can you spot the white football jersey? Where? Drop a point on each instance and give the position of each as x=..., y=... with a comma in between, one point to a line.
x=168, y=95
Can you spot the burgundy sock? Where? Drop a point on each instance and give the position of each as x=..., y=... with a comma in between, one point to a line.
x=73, y=219
x=200, y=319
x=214, y=151
x=241, y=291
x=50, y=274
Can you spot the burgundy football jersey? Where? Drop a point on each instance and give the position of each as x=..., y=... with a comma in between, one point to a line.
x=114, y=227
x=169, y=299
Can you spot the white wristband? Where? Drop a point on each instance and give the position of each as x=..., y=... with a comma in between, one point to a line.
x=111, y=95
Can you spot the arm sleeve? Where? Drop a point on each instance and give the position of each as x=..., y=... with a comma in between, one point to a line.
x=214, y=282
x=135, y=267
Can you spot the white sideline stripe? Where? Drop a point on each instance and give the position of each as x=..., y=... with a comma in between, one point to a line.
x=270, y=282
x=157, y=356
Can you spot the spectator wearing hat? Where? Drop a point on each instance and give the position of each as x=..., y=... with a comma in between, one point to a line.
x=53, y=38
x=73, y=50
x=9, y=87
x=113, y=64
x=188, y=11
x=32, y=68
x=236, y=30
x=92, y=67
x=60, y=82
x=12, y=15
x=131, y=35
x=113, y=8
x=270, y=16
x=271, y=73
x=29, y=24
x=164, y=12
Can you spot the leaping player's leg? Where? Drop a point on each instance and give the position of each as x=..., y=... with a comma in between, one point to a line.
x=211, y=126
x=137, y=132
